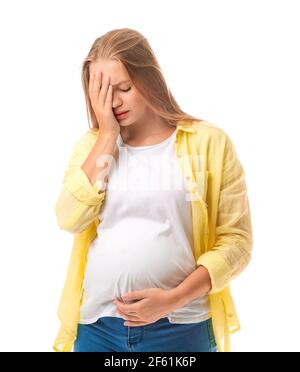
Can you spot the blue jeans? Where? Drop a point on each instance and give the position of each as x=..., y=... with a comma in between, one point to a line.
x=108, y=334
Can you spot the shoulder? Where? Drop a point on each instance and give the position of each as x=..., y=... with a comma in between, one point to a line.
x=88, y=136
x=210, y=133
x=85, y=141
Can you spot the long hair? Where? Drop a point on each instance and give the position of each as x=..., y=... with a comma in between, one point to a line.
x=132, y=49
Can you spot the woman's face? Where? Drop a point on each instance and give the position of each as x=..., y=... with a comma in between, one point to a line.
x=125, y=95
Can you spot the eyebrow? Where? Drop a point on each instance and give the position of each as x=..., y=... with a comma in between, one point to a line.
x=121, y=82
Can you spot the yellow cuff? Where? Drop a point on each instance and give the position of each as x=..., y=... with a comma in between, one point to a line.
x=80, y=186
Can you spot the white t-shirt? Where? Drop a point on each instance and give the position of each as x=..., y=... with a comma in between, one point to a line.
x=145, y=235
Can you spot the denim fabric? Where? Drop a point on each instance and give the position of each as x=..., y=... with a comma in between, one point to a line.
x=108, y=334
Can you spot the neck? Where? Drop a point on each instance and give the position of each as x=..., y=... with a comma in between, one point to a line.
x=140, y=132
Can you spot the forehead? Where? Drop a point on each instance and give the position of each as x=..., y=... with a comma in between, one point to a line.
x=114, y=69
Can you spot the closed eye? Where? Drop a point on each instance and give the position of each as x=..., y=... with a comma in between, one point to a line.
x=127, y=90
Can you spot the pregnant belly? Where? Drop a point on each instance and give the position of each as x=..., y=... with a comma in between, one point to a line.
x=139, y=259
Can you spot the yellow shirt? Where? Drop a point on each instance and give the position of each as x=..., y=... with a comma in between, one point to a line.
x=222, y=230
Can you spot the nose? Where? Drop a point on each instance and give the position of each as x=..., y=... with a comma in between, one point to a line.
x=116, y=101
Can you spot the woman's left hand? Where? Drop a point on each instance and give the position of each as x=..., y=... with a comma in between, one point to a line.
x=151, y=305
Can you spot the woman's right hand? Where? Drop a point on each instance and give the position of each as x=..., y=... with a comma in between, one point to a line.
x=100, y=92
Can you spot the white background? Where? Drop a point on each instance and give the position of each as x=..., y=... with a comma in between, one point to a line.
x=234, y=63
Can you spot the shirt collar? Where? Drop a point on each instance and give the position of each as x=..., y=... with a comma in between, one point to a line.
x=186, y=128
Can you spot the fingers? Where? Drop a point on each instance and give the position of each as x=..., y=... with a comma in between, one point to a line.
x=129, y=317
x=104, y=90
x=100, y=90
x=108, y=102
x=133, y=308
x=135, y=324
x=94, y=85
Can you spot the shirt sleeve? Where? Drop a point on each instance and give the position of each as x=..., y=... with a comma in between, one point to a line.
x=79, y=201
x=232, y=250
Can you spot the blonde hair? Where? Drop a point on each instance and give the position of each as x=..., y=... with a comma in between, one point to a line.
x=132, y=49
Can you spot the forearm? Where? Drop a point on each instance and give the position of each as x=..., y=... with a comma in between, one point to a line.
x=197, y=284
x=98, y=162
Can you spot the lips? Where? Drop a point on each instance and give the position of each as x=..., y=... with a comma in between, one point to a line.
x=121, y=113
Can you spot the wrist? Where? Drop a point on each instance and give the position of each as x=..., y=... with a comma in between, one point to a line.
x=109, y=135
x=177, y=300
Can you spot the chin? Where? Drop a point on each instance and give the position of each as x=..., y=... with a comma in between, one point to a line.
x=123, y=124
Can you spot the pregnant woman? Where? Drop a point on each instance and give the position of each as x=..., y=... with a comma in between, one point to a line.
x=157, y=202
